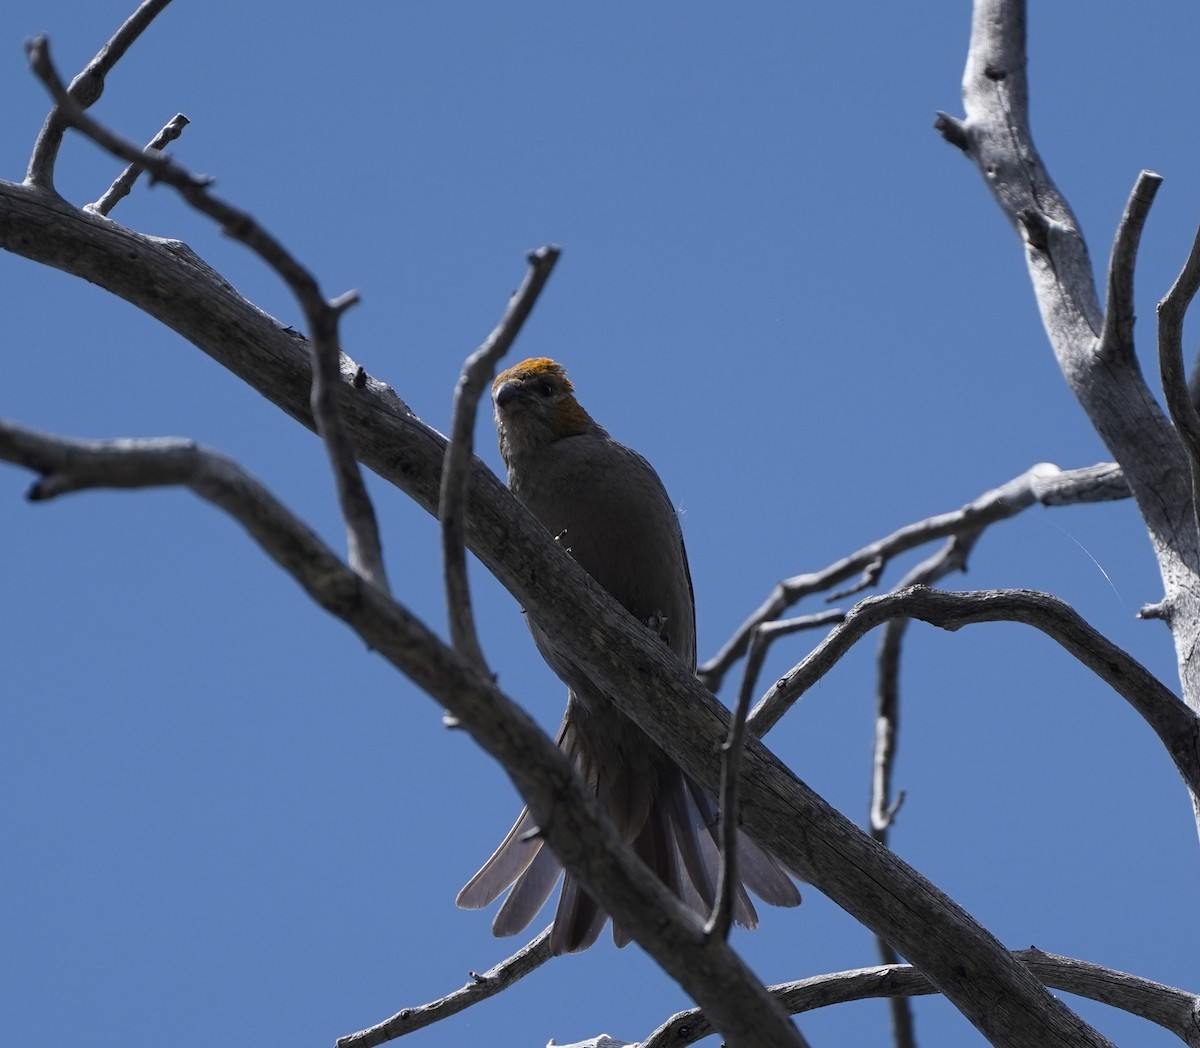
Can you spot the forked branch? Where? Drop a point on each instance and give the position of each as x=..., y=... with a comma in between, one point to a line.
x=585, y=842
x=1044, y=483
x=1175, y=725
x=1173, y=1009
x=85, y=91
x=1094, y=350
x=168, y=282
x=995, y=993
x=365, y=550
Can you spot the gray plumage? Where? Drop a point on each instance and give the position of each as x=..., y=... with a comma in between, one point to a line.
x=605, y=504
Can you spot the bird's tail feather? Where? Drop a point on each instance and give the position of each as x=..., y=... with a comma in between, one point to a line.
x=674, y=830
x=508, y=862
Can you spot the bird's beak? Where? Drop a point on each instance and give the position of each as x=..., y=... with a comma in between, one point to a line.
x=510, y=397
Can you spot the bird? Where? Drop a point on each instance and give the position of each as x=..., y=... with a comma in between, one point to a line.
x=606, y=505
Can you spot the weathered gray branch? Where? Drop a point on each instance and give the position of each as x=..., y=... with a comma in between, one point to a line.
x=1175, y=1010
x=475, y=378
x=322, y=315
x=951, y=557
x=1176, y=726
x=721, y=918
x=584, y=840
x=167, y=281
x=883, y=807
x=86, y=90
x=1094, y=352
x=124, y=182
x=1172, y=310
x=1117, y=334
x=1044, y=483
x=974, y=971
x=497, y=978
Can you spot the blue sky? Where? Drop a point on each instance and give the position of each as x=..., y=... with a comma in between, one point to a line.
x=223, y=818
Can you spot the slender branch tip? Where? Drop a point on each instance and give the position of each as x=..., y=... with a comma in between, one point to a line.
x=345, y=301
x=953, y=131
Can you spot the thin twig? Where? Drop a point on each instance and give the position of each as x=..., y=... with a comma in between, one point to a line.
x=365, y=551
x=476, y=376
x=731, y=750
x=1173, y=1009
x=1175, y=725
x=953, y=131
x=1117, y=334
x=85, y=90
x=868, y=578
x=1171, y=313
x=721, y=919
x=951, y=557
x=500, y=977
x=124, y=181
x=1044, y=483
x=770, y=631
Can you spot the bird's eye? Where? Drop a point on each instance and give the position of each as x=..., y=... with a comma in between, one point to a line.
x=545, y=389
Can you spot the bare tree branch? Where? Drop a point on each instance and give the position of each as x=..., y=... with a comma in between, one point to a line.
x=1171, y=720
x=363, y=545
x=1107, y=383
x=915, y=926
x=1172, y=310
x=883, y=809
x=365, y=550
x=169, y=282
x=769, y=632
x=496, y=979
x=786, y=627
x=1018, y=1001
x=1103, y=482
x=85, y=91
x=121, y=187
x=584, y=841
x=1044, y=483
x=476, y=376
x=1117, y=334
x=1173, y=1009
x=721, y=918
x=951, y=557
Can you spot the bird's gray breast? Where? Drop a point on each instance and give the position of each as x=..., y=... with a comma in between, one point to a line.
x=606, y=505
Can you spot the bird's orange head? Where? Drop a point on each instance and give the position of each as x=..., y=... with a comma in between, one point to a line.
x=535, y=405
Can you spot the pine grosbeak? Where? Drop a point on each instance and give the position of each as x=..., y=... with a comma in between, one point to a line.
x=606, y=504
